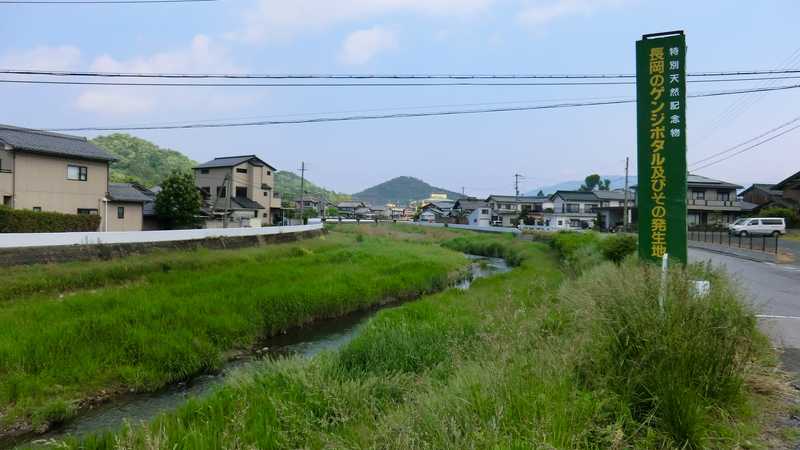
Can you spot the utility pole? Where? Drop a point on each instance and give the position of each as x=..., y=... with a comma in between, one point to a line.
x=302, y=190
x=516, y=185
x=625, y=205
x=462, y=191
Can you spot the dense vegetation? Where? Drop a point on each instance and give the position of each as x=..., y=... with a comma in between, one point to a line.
x=141, y=161
x=528, y=359
x=401, y=190
x=288, y=185
x=791, y=216
x=180, y=314
x=25, y=221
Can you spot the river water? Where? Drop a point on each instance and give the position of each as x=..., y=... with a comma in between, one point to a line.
x=304, y=342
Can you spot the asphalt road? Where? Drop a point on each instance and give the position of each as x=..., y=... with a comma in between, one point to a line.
x=774, y=290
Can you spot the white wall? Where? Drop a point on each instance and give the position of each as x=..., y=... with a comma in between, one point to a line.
x=11, y=240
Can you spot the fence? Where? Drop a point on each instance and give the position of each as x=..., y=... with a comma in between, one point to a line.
x=761, y=243
x=14, y=240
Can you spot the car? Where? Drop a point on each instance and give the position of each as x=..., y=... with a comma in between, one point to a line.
x=773, y=226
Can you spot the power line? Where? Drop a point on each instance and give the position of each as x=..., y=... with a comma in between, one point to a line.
x=409, y=115
x=730, y=149
x=95, y=2
x=758, y=144
x=420, y=76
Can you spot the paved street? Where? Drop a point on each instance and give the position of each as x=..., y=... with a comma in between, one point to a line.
x=775, y=290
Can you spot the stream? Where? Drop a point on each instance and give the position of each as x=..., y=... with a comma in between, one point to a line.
x=303, y=342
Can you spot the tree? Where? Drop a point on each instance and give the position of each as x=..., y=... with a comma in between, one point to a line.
x=540, y=193
x=141, y=161
x=593, y=182
x=791, y=217
x=179, y=201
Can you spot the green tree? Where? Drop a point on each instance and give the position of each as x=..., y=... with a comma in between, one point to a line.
x=594, y=182
x=540, y=193
x=141, y=161
x=179, y=201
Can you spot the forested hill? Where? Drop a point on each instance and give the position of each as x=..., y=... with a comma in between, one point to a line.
x=401, y=190
x=141, y=161
x=288, y=185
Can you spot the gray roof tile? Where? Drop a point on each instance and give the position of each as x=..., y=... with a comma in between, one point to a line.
x=47, y=143
x=126, y=192
x=230, y=161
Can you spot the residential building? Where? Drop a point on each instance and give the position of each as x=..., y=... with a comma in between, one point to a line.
x=308, y=203
x=572, y=209
x=506, y=209
x=790, y=191
x=762, y=195
x=711, y=201
x=125, y=207
x=239, y=187
x=471, y=211
x=436, y=211
x=351, y=208
x=45, y=171
x=611, y=209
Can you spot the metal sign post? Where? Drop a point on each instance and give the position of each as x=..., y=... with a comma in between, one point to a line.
x=661, y=129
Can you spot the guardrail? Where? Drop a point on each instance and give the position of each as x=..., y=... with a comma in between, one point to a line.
x=14, y=240
x=763, y=243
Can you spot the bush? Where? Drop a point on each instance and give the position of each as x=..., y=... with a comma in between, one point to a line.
x=674, y=369
x=616, y=248
x=481, y=245
x=24, y=221
x=792, y=219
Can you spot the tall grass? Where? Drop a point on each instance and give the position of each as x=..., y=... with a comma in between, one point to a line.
x=176, y=323
x=492, y=246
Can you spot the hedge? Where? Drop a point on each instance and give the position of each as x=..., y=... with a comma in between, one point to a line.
x=24, y=221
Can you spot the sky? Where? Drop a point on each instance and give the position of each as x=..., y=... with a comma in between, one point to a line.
x=477, y=153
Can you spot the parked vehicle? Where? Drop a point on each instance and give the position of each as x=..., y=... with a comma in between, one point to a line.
x=774, y=226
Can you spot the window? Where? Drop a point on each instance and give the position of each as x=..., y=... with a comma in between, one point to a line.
x=206, y=191
x=560, y=222
x=771, y=221
x=241, y=170
x=573, y=207
x=269, y=173
x=699, y=195
x=77, y=173
x=91, y=211
x=7, y=200
x=241, y=191
x=255, y=214
x=204, y=171
x=37, y=209
x=120, y=212
x=221, y=192
x=485, y=211
x=590, y=207
x=753, y=222
x=266, y=193
x=723, y=195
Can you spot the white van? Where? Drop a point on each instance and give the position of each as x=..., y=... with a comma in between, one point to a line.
x=773, y=226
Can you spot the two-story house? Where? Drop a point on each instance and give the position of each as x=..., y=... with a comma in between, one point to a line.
x=611, y=211
x=351, y=209
x=711, y=201
x=471, y=211
x=572, y=209
x=790, y=191
x=45, y=171
x=506, y=209
x=239, y=187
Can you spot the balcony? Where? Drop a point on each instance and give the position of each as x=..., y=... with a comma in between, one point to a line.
x=720, y=205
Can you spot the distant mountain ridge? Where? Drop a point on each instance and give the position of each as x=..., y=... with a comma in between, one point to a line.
x=288, y=185
x=617, y=182
x=401, y=190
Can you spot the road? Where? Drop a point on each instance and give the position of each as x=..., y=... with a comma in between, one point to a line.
x=775, y=292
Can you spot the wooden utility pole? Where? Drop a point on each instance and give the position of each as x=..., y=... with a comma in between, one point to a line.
x=516, y=185
x=625, y=205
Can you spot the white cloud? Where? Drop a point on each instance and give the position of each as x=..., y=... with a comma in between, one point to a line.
x=63, y=57
x=202, y=55
x=538, y=12
x=280, y=19
x=361, y=46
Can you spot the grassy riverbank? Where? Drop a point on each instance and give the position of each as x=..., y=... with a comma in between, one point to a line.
x=154, y=322
x=528, y=359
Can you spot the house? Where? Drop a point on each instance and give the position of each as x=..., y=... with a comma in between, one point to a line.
x=471, y=211
x=762, y=194
x=711, y=201
x=611, y=209
x=45, y=171
x=239, y=188
x=790, y=191
x=507, y=209
x=572, y=209
x=378, y=212
x=350, y=208
x=436, y=211
x=125, y=207
x=308, y=203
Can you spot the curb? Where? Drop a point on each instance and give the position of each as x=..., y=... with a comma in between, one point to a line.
x=731, y=253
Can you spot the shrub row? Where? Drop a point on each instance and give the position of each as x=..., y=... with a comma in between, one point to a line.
x=24, y=221
x=581, y=251
x=483, y=246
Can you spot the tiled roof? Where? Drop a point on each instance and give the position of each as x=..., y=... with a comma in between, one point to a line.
x=614, y=195
x=791, y=179
x=47, y=143
x=230, y=161
x=350, y=204
x=513, y=198
x=577, y=196
x=701, y=181
x=126, y=192
x=245, y=203
x=470, y=204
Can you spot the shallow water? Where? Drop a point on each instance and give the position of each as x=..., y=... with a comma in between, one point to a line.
x=305, y=342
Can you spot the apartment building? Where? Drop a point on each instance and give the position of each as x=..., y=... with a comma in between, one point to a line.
x=45, y=171
x=240, y=188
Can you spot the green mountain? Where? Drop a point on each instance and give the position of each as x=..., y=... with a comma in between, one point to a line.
x=401, y=190
x=141, y=161
x=288, y=185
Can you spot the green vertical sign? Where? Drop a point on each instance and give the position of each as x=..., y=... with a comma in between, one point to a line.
x=661, y=128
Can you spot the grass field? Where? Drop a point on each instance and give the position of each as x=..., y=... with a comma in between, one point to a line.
x=78, y=330
x=529, y=359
